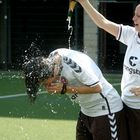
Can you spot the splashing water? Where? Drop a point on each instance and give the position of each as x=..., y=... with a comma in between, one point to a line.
x=54, y=112
x=72, y=5
x=52, y=109
x=70, y=29
x=69, y=39
x=69, y=23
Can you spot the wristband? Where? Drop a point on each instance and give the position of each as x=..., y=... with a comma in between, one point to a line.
x=64, y=88
x=65, y=83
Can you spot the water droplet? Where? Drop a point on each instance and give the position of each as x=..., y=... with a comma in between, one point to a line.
x=53, y=111
x=5, y=17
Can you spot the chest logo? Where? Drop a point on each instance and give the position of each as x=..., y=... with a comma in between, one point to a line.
x=133, y=61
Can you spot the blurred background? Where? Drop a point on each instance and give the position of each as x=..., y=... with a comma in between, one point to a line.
x=22, y=21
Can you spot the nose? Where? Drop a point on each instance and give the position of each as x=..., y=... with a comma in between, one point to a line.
x=134, y=18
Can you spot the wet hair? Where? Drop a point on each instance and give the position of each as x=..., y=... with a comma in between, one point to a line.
x=35, y=70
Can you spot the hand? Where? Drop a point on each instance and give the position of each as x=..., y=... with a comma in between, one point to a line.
x=136, y=91
x=54, y=87
x=50, y=80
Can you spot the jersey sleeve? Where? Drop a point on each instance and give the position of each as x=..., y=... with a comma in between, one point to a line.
x=85, y=75
x=87, y=78
x=125, y=32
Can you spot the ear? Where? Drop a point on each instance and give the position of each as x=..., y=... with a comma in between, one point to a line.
x=57, y=58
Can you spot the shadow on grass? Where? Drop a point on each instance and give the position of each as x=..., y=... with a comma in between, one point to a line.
x=46, y=107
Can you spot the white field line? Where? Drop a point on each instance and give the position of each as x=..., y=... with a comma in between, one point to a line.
x=24, y=94
x=17, y=95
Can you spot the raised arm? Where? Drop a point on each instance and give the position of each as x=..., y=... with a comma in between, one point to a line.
x=99, y=19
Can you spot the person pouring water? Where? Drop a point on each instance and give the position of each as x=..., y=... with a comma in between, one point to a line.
x=130, y=84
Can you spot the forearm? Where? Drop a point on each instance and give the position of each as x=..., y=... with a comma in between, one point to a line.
x=99, y=19
x=83, y=89
x=96, y=17
x=58, y=87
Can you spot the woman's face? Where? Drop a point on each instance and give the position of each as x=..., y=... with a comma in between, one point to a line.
x=136, y=18
x=56, y=68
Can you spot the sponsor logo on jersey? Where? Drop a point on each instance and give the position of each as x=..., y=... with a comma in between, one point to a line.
x=133, y=61
x=72, y=64
x=74, y=96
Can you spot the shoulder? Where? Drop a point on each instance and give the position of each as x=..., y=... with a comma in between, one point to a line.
x=127, y=30
x=125, y=33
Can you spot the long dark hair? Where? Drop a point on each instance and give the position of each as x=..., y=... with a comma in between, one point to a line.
x=30, y=67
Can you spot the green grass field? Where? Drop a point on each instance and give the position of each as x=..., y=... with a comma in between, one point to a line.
x=51, y=117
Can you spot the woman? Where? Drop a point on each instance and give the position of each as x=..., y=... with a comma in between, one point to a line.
x=67, y=71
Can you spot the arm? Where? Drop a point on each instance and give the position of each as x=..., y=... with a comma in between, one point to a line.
x=99, y=19
x=57, y=87
x=84, y=89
